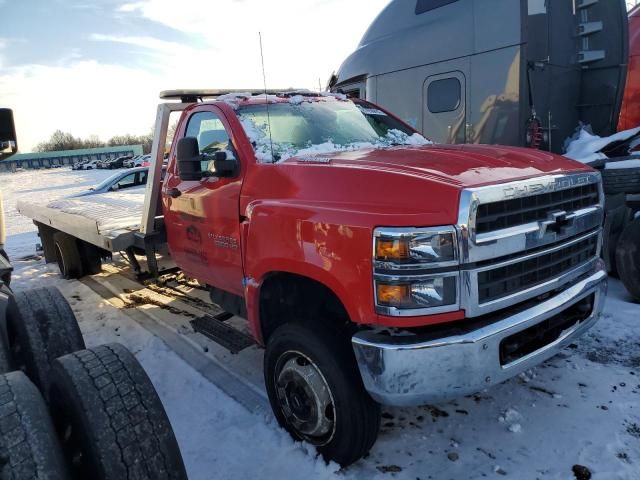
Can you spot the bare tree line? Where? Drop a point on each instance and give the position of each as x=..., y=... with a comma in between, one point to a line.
x=60, y=140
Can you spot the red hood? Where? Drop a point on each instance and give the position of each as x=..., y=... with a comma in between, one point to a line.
x=457, y=165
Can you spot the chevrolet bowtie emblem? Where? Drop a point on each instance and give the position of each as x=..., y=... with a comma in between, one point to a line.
x=556, y=222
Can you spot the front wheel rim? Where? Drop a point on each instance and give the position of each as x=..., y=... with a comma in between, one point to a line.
x=304, y=398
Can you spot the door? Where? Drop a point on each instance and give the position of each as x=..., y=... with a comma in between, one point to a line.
x=202, y=217
x=445, y=107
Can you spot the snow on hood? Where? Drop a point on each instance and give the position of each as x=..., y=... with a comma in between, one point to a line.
x=586, y=147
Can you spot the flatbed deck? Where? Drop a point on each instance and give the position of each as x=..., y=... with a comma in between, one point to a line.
x=108, y=220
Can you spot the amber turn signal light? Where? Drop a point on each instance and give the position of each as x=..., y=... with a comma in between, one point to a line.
x=392, y=249
x=393, y=295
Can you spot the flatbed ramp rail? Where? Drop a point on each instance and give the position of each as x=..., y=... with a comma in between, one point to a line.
x=116, y=222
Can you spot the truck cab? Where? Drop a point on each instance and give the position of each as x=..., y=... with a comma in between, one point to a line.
x=374, y=266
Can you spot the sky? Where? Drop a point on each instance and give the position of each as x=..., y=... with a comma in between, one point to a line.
x=95, y=67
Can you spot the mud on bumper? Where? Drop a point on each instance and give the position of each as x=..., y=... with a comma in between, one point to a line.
x=442, y=364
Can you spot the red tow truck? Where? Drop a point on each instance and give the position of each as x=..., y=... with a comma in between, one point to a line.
x=375, y=267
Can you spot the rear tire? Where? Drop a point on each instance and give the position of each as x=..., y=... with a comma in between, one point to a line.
x=114, y=423
x=91, y=258
x=41, y=327
x=628, y=258
x=29, y=448
x=316, y=392
x=68, y=256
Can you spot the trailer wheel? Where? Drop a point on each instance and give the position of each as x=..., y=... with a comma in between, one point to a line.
x=91, y=258
x=628, y=258
x=45, y=232
x=113, y=423
x=620, y=180
x=317, y=395
x=6, y=278
x=41, y=327
x=29, y=448
x=68, y=256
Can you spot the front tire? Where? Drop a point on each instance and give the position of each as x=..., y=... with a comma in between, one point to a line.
x=316, y=392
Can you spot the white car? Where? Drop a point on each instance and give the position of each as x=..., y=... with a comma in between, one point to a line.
x=92, y=165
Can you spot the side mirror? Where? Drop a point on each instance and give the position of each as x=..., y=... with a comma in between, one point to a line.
x=189, y=158
x=8, y=140
x=225, y=167
x=115, y=187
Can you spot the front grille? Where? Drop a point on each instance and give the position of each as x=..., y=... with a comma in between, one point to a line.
x=538, y=336
x=514, y=278
x=519, y=211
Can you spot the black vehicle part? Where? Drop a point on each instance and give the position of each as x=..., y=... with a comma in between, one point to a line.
x=628, y=258
x=41, y=327
x=6, y=296
x=316, y=392
x=5, y=278
x=29, y=448
x=615, y=222
x=113, y=422
x=620, y=180
x=68, y=256
x=91, y=257
x=45, y=232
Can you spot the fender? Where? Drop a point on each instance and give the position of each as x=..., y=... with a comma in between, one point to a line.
x=300, y=243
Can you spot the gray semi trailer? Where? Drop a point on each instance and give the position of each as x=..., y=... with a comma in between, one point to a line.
x=511, y=72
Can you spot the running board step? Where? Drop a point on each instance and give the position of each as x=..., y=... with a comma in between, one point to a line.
x=228, y=337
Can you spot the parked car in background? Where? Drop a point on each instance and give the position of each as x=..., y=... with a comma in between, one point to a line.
x=77, y=165
x=102, y=163
x=139, y=161
x=120, y=181
x=130, y=162
x=90, y=165
x=117, y=162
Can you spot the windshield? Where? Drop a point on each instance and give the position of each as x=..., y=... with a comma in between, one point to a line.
x=307, y=127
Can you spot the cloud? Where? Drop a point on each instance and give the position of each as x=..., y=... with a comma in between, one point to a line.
x=145, y=42
x=83, y=98
x=304, y=40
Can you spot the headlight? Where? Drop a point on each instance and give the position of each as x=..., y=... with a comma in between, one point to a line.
x=397, y=248
x=403, y=261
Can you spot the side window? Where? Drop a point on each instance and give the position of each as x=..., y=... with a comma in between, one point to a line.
x=423, y=6
x=444, y=95
x=128, y=181
x=142, y=178
x=212, y=137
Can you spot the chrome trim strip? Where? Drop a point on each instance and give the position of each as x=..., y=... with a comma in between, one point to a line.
x=394, y=372
x=470, y=298
x=530, y=256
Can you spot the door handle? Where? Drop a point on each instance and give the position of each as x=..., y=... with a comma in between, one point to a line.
x=174, y=193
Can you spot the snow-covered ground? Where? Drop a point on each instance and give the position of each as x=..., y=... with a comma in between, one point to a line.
x=580, y=408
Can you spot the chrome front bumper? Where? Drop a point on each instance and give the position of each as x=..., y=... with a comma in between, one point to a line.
x=399, y=373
